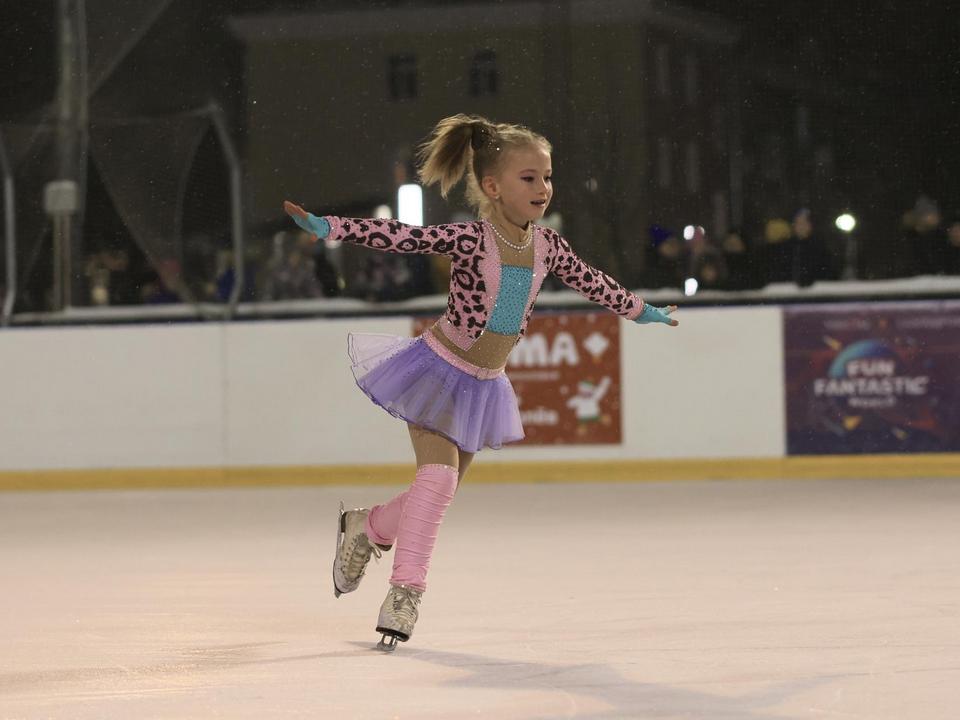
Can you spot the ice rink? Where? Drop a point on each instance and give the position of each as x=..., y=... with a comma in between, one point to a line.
x=746, y=600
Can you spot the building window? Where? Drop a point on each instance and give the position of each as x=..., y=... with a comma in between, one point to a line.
x=662, y=69
x=484, y=78
x=402, y=77
x=692, y=79
x=693, y=167
x=664, y=162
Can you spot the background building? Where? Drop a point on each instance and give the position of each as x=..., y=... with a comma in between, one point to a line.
x=634, y=97
x=700, y=111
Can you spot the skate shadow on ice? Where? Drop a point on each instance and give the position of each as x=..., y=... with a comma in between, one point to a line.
x=627, y=698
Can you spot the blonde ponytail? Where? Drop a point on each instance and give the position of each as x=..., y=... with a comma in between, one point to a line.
x=444, y=157
x=471, y=146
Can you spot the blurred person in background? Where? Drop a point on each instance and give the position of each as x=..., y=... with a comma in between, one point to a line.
x=200, y=264
x=328, y=276
x=666, y=260
x=98, y=280
x=225, y=275
x=812, y=259
x=927, y=238
x=123, y=283
x=420, y=280
x=291, y=274
x=707, y=264
x=774, y=259
x=903, y=258
x=112, y=279
x=381, y=279
x=953, y=244
x=741, y=273
x=710, y=271
x=167, y=286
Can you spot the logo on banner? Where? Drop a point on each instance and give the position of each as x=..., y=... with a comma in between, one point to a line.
x=542, y=356
x=867, y=375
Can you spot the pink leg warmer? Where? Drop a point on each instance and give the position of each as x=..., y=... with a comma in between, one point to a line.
x=383, y=520
x=427, y=500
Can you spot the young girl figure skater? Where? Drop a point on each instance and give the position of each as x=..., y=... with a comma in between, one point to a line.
x=448, y=384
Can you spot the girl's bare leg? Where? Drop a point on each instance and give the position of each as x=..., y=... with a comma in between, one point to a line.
x=433, y=449
x=465, y=458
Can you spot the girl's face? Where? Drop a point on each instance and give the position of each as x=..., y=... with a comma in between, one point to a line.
x=523, y=184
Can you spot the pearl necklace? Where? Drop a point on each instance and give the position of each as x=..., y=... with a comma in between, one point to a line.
x=518, y=248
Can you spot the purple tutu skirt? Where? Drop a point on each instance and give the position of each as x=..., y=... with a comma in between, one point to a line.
x=410, y=381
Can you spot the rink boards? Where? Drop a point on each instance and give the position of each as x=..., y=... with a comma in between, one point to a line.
x=275, y=403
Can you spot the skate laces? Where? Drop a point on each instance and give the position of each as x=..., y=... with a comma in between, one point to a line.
x=358, y=555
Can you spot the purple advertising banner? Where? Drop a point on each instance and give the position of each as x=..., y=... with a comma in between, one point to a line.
x=872, y=378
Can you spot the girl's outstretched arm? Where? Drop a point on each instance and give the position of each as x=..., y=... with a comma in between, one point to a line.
x=386, y=235
x=598, y=287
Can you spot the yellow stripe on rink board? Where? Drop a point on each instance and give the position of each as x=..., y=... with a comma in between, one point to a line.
x=812, y=467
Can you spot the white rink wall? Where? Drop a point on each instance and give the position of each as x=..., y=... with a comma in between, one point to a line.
x=280, y=393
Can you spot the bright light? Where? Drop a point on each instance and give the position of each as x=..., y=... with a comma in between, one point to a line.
x=410, y=204
x=846, y=222
x=383, y=212
x=690, y=286
x=688, y=232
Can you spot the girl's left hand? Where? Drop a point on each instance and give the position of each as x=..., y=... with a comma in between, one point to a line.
x=653, y=314
x=318, y=227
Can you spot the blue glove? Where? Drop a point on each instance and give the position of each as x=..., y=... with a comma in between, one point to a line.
x=653, y=314
x=307, y=221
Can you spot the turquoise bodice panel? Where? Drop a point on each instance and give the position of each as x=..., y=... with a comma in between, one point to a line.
x=507, y=316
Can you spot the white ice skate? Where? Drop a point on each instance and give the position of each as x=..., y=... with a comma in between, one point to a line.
x=398, y=615
x=353, y=550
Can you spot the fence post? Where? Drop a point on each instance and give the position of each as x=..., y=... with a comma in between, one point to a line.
x=9, y=234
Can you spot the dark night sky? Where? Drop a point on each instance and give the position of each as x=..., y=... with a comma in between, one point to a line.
x=902, y=57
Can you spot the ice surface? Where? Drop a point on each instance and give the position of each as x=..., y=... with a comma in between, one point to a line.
x=752, y=600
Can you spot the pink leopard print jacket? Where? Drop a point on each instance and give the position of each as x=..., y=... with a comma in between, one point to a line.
x=475, y=269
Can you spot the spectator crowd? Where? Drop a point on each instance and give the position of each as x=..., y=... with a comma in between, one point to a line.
x=801, y=249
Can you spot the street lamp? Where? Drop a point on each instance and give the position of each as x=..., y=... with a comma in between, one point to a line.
x=846, y=223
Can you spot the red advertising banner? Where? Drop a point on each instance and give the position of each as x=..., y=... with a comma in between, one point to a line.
x=872, y=378
x=566, y=373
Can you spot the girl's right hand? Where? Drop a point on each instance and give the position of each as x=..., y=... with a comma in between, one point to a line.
x=653, y=314
x=318, y=227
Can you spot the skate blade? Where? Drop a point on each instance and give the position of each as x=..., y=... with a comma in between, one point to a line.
x=388, y=643
x=394, y=635
x=341, y=529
